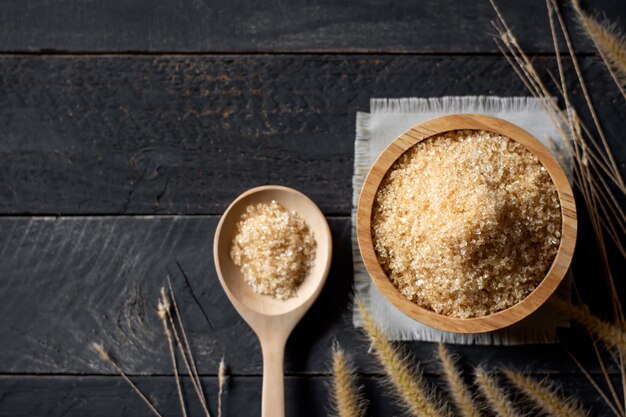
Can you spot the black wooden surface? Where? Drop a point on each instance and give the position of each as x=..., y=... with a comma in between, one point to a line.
x=442, y=26
x=127, y=127
x=70, y=281
x=97, y=396
x=185, y=135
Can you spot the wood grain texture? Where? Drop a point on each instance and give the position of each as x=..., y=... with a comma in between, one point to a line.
x=378, y=172
x=185, y=135
x=278, y=26
x=157, y=134
x=65, y=282
x=98, y=396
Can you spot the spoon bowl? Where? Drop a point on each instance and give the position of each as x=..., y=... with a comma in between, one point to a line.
x=271, y=319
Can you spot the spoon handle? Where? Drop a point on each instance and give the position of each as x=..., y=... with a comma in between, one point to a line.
x=273, y=402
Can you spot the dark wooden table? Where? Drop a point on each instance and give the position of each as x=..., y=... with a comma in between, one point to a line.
x=127, y=127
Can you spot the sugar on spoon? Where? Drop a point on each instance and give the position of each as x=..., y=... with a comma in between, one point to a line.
x=272, y=320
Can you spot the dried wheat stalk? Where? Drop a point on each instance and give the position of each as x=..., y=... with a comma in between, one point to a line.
x=347, y=396
x=411, y=389
x=546, y=396
x=594, y=164
x=496, y=398
x=591, y=162
x=609, y=42
x=221, y=378
x=194, y=376
x=460, y=394
x=610, y=334
x=99, y=348
x=161, y=311
x=179, y=319
x=616, y=407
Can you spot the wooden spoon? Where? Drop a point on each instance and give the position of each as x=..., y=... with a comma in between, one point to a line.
x=272, y=320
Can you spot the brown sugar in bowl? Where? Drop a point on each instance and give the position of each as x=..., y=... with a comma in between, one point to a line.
x=502, y=318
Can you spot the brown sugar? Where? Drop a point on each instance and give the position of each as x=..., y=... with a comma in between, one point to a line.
x=274, y=249
x=466, y=223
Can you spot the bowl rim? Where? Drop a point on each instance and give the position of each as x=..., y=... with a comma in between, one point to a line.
x=500, y=319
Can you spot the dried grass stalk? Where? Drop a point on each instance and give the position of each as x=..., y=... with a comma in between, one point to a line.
x=593, y=160
x=221, y=378
x=496, y=398
x=608, y=40
x=614, y=407
x=192, y=362
x=187, y=354
x=348, y=400
x=162, y=312
x=583, y=86
x=546, y=396
x=460, y=393
x=104, y=355
x=411, y=389
x=195, y=379
x=607, y=376
x=612, y=335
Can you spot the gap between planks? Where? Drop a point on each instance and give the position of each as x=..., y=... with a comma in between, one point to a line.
x=365, y=53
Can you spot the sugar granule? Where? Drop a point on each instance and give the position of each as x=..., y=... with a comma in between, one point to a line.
x=274, y=249
x=466, y=223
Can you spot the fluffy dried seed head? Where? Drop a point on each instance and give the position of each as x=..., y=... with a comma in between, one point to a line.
x=99, y=349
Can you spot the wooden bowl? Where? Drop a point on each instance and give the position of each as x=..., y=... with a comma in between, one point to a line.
x=502, y=318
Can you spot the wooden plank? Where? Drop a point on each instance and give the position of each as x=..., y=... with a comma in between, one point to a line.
x=278, y=26
x=69, y=281
x=185, y=135
x=97, y=396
